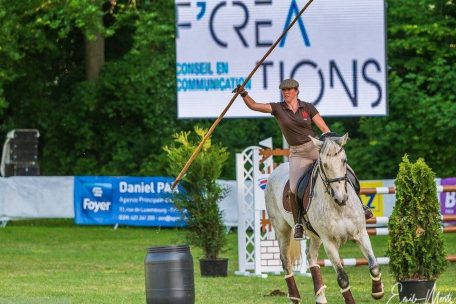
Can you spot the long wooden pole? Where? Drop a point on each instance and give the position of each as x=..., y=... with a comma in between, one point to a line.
x=217, y=121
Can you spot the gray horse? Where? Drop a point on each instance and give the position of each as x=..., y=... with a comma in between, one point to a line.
x=335, y=214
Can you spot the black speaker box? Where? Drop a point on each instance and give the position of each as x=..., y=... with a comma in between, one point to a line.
x=22, y=170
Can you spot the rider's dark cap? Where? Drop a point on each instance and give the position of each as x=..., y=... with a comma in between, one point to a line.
x=289, y=84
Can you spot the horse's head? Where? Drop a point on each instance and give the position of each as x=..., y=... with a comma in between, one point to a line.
x=333, y=166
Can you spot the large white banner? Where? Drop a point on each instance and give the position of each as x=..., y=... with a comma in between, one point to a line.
x=336, y=51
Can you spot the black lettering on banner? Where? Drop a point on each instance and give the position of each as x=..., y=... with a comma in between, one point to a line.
x=211, y=25
x=186, y=25
x=262, y=23
x=265, y=72
x=320, y=74
x=333, y=67
x=258, y=24
x=373, y=81
x=263, y=2
x=237, y=28
x=243, y=25
x=281, y=75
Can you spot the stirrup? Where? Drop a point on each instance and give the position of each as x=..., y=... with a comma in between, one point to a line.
x=299, y=232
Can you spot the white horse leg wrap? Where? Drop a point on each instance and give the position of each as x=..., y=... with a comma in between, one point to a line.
x=346, y=289
x=295, y=299
x=289, y=275
x=322, y=289
x=377, y=278
x=314, y=265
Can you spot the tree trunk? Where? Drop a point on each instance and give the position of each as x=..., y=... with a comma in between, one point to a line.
x=94, y=56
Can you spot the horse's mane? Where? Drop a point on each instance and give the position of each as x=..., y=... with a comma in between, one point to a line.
x=328, y=144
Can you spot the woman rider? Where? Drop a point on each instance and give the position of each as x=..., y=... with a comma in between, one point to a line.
x=295, y=119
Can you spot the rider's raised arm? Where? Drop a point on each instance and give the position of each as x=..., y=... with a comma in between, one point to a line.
x=251, y=103
x=256, y=106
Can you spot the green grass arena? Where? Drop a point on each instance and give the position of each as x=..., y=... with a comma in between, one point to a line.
x=55, y=261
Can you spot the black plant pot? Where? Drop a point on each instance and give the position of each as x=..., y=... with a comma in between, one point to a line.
x=416, y=291
x=214, y=267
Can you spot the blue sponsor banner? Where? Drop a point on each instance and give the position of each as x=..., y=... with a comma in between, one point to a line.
x=135, y=201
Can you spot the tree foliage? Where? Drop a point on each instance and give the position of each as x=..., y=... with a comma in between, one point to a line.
x=415, y=245
x=202, y=193
x=118, y=124
x=115, y=126
x=422, y=97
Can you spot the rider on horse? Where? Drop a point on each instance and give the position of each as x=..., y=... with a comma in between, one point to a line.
x=295, y=119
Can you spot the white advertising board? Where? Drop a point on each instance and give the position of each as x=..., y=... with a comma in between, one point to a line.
x=336, y=51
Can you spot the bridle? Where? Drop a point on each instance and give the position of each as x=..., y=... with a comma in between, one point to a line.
x=328, y=181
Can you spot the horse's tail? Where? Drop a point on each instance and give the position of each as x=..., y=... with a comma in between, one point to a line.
x=294, y=250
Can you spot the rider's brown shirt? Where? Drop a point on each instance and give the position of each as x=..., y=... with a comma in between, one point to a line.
x=296, y=127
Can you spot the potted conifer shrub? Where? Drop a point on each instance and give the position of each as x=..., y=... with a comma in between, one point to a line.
x=416, y=247
x=200, y=196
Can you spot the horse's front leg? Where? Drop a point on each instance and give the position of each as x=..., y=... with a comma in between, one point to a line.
x=374, y=269
x=312, y=256
x=332, y=251
x=284, y=238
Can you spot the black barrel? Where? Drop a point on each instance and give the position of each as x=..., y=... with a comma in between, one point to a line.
x=169, y=275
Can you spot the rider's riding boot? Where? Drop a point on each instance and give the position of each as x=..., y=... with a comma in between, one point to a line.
x=367, y=212
x=296, y=209
x=355, y=183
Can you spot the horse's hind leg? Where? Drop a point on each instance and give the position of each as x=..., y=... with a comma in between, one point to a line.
x=312, y=256
x=374, y=269
x=332, y=251
x=283, y=235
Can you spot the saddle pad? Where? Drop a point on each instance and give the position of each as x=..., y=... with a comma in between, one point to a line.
x=304, y=188
x=286, y=197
